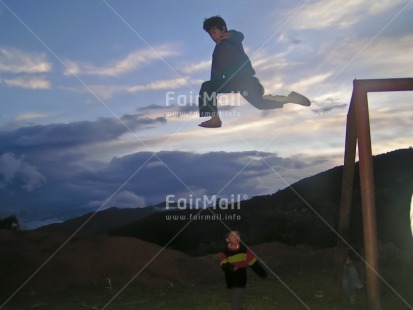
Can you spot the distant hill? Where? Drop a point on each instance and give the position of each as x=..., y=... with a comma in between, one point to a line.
x=99, y=222
x=304, y=213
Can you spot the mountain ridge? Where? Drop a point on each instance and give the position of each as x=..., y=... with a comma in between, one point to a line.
x=305, y=212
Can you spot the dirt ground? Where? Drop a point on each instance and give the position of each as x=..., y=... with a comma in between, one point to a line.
x=44, y=264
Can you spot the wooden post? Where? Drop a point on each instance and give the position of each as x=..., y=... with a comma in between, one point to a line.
x=358, y=128
x=367, y=197
x=346, y=194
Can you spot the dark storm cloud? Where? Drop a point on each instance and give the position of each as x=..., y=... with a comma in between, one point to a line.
x=148, y=178
x=156, y=175
x=74, y=134
x=151, y=107
x=44, y=174
x=329, y=108
x=41, y=167
x=17, y=171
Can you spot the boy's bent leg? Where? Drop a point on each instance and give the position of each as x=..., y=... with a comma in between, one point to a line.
x=207, y=100
x=293, y=97
x=253, y=92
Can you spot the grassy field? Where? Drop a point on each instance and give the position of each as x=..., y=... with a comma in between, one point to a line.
x=294, y=291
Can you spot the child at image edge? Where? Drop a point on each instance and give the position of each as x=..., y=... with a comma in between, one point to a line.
x=232, y=71
x=234, y=260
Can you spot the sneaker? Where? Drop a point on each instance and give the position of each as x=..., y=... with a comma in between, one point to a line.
x=297, y=98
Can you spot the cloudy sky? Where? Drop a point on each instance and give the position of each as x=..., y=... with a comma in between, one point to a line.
x=99, y=98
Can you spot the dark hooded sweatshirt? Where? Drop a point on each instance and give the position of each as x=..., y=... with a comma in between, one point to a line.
x=229, y=59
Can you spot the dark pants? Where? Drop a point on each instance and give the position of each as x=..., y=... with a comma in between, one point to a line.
x=236, y=282
x=237, y=298
x=249, y=87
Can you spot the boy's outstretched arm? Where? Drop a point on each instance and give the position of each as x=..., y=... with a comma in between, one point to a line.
x=258, y=269
x=255, y=265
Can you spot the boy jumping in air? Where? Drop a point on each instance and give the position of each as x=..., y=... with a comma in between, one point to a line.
x=234, y=260
x=232, y=71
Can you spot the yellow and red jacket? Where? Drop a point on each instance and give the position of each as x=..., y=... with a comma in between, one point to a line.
x=234, y=262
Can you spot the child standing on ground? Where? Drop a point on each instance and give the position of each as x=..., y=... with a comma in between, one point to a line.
x=234, y=260
x=232, y=71
x=352, y=283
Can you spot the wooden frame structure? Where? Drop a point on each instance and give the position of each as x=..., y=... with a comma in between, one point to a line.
x=358, y=130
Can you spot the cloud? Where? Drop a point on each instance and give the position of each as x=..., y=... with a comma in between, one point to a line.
x=150, y=108
x=18, y=171
x=17, y=61
x=31, y=116
x=342, y=62
x=106, y=92
x=124, y=199
x=75, y=134
x=75, y=184
x=196, y=67
x=264, y=60
x=330, y=108
x=327, y=14
x=172, y=172
x=130, y=63
x=388, y=55
x=310, y=82
x=29, y=82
